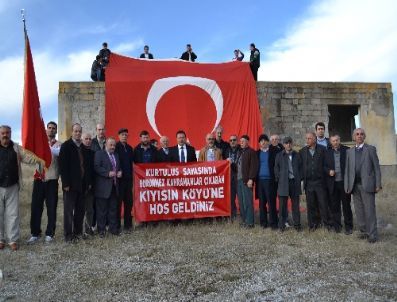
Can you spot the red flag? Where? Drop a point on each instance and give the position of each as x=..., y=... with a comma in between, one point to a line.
x=34, y=137
x=166, y=96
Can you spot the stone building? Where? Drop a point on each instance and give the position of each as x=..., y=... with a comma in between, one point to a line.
x=287, y=108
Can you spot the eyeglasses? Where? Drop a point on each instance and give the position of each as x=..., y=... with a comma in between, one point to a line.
x=232, y=140
x=210, y=139
x=359, y=134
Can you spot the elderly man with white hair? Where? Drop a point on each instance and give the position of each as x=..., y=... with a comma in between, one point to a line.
x=363, y=180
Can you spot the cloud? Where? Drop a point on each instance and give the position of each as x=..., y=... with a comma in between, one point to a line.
x=50, y=70
x=129, y=47
x=337, y=40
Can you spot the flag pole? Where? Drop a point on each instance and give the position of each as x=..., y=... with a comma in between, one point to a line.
x=23, y=20
x=33, y=135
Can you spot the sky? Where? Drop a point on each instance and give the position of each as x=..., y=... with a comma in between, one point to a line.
x=299, y=40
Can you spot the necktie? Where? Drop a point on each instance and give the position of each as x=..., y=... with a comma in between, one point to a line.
x=182, y=154
x=113, y=161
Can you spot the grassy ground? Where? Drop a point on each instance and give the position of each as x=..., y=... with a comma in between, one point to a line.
x=206, y=262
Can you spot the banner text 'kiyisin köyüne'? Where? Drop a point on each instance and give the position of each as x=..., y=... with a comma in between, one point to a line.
x=166, y=191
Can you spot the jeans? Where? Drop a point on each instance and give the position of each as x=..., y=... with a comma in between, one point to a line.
x=246, y=203
x=233, y=194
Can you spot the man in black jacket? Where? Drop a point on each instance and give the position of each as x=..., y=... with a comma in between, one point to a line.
x=276, y=148
x=219, y=142
x=313, y=160
x=146, y=54
x=104, y=53
x=98, y=142
x=287, y=171
x=255, y=61
x=97, y=69
x=144, y=152
x=74, y=162
x=126, y=156
x=189, y=55
x=182, y=152
x=89, y=200
x=335, y=160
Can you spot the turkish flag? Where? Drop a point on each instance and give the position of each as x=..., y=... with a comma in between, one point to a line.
x=164, y=96
x=34, y=137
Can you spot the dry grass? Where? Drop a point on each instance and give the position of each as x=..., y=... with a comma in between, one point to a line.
x=206, y=262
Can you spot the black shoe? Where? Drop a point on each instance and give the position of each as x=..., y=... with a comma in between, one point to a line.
x=372, y=240
x=337, y=229
x=363, y=236
x=264, y=225
x=76, y=239
x=274, y=228
x=298, y=228
x=101, y=234
x=348, y=231
x=127, y=230
x=249, y=226
x=282, y=230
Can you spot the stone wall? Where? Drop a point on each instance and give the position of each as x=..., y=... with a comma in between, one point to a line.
x=80, y=102
x=294, y=108
x=287, y=108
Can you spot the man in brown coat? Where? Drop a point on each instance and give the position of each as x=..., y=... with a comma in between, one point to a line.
x=210, y=152
x=247, y=170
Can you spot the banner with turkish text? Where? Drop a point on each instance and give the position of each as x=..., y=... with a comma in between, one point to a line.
x=167, y=191
x=164, y=96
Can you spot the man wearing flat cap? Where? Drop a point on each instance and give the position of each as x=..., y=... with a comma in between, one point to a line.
x=126, y=156
x=287, y=171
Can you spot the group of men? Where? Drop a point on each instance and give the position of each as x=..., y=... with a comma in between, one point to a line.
x=97, y=173
x=102, y=59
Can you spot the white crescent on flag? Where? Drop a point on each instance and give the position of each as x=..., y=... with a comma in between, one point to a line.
x=162, y=86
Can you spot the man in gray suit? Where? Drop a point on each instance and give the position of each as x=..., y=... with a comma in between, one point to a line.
x=363, y=179
x=108, y=174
